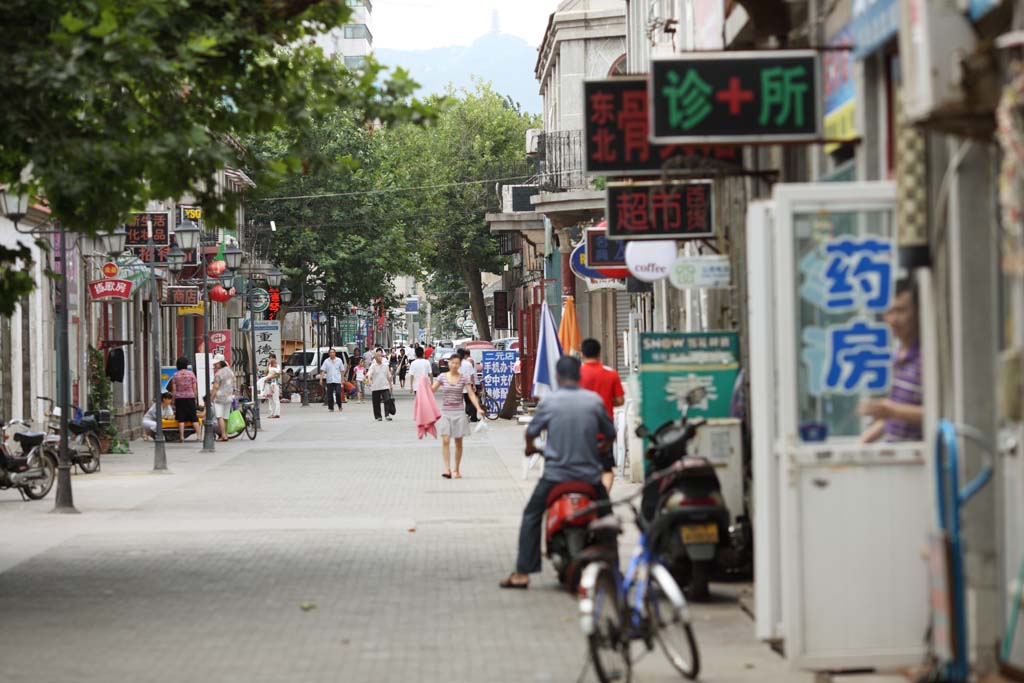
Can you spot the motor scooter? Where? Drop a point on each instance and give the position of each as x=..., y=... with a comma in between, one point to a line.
x=690, y=524
x=32, y=470
x=84, y=438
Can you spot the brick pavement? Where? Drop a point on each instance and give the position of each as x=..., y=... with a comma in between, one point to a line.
x=202, y=575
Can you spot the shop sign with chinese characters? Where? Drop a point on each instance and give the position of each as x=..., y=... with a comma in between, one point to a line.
x=603, y=252
x=220, y=342
x=736, y=97
x=657, y=210
x=617, y=125
x=673, y=363
x=268, y=341
x=181, y=296
x=840, y=109
x=850, y=280
x=693, y=272
x=110, y=288
x=497, y=373
x=274, y=305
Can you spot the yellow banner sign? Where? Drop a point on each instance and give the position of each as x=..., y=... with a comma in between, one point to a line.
x=841, y=124
x=191, y=310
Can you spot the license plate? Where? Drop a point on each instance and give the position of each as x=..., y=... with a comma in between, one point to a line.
x=695, y=534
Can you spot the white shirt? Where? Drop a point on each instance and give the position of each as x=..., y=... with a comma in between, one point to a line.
x=468, y=370
x=379, y=376
x=420, y=367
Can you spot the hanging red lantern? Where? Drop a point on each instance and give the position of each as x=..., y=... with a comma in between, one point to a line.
x=219, y=294
x=215, y=268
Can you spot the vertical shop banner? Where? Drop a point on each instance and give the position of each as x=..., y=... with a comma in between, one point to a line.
x=274, y=304
x=656, y=210
x=497, y=372
x=220, y=342
x=268, y=341
x=731, y=97
x=840, y=110
x=501, y=310
x=673, y=363
x=166, y=372
x=617, y=126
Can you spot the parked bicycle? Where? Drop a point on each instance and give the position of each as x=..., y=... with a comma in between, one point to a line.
x=84, y=437
x=249, y=415
x=491, y=406
x=643, y=604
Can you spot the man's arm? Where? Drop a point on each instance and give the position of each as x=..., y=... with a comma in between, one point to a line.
x=535, y=427
x=874, y=432
x=606, y=428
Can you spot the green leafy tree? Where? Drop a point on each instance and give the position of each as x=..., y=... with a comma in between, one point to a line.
x=110, y=103
x=479, y=136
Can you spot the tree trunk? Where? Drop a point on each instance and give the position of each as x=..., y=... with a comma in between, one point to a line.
x=476, y=300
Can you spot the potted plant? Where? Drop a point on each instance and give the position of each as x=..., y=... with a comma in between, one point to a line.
x=101, y=395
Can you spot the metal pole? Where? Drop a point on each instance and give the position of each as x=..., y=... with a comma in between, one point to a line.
x=208, y=423
x=64, y=500
x=305, y=362
x=159, y=448
x=252, y=353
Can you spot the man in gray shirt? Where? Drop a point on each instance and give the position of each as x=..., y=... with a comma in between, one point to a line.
x=573, y=417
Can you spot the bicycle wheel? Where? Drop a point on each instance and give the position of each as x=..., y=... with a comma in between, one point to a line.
x=668, y=619
x=250, y=422
x=491, y=408
x=91, y=465
x=609, y=641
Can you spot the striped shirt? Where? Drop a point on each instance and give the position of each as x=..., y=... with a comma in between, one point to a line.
x=906, y=389
x=451, y=395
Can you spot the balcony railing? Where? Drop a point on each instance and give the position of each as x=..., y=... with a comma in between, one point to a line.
x=560, y=154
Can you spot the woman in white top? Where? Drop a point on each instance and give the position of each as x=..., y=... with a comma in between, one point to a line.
x=223, y=392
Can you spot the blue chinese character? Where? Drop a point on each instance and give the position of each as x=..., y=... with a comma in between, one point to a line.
x=859, y=357
x=858, y=272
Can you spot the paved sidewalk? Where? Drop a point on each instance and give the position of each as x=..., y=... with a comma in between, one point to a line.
x=328, y=549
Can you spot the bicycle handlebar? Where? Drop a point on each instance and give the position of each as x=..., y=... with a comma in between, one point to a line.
x=653, y=478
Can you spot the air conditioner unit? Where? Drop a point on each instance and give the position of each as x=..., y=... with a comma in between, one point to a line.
x=946, y=82
x=517, y=197
x=533, y=140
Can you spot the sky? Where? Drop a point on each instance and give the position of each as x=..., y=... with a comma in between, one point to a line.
x=423, y=24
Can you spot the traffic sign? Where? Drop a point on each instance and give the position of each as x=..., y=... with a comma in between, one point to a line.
x=469, y=327
x=259, y=300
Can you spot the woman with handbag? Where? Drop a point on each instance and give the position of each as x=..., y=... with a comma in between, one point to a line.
x=454, y=423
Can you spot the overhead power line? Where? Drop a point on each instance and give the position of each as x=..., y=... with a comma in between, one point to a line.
x=405, y=189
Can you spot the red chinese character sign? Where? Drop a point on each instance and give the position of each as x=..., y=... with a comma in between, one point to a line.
x=274, y=306
x=617, y=122
x=110, y=289
x=771, y=96
x=657, y=210
x=220, y=343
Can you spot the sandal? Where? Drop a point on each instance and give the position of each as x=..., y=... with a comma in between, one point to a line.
x=447, y=476
x=509, y=583
x=456, y=475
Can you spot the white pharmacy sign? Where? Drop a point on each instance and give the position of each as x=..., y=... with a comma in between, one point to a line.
x=693, y=272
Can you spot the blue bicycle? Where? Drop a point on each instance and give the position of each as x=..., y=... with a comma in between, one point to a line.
x=644, y=604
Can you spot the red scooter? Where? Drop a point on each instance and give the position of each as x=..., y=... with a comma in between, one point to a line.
x=570, y=542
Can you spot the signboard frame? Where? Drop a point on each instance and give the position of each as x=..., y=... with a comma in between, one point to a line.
x=662, y=154
x=591, y=235
x=171, y=291
x=611, y=216
x=816, y=117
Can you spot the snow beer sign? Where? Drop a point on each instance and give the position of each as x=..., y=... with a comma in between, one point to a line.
x=617, y=131
x=657, y=211
x=735, y=97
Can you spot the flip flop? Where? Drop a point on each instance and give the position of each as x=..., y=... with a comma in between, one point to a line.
x=447, y=476
x=456, y=475
x=508, y=583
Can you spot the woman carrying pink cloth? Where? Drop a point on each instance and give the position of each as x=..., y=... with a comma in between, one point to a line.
x=425, y=411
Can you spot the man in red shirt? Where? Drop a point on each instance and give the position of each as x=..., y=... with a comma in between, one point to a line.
x=604, y=382
x=428, y=352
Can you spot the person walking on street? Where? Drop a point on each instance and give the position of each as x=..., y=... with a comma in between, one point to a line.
x=604, y=382
x=454, y=423
x=360, y=375
x=185, y=389
x=393, y=363
x=419, y=368
x=223, y=390
x=574, y=418
x=272, y=386
x=379, y=377
x=332, y=370
x=428, y=352
x=403, y=367
x=468, y=370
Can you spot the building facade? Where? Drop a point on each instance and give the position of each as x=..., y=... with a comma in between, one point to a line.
x=352, y=42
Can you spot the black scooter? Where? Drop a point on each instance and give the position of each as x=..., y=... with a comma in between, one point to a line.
x=84, y=438
x=32, y=470
x=690, y=524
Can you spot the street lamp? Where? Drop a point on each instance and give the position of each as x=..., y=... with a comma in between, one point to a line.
x=159, y=446
x=286, y=295
x=233, y=257
x=189, y=237
x=15, y=208
x=227, y=279
x=114, y=240
x=175, y=260
x=318, y=294
x=274, y=278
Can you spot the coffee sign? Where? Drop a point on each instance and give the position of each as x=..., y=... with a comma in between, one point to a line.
x=650, y=261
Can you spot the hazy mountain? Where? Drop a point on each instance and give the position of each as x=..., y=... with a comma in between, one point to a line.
x=506, y=61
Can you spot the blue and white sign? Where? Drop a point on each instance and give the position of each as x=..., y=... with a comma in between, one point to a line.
x=873, y=23
x=412, y=305
x=497, y=372
x=980, y=8
x=850, y=281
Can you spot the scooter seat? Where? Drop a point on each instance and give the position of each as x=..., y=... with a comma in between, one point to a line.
x=86, y=424
x=29, y=439
x=565, y=487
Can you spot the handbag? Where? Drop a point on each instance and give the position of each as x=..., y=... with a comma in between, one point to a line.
x=389, y=404
x=235, y=422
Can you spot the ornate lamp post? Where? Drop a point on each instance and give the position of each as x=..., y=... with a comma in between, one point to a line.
x=15, y=207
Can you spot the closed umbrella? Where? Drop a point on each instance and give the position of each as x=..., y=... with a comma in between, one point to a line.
x=569, y=330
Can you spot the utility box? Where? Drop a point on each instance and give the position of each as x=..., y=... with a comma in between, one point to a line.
x=720, y=440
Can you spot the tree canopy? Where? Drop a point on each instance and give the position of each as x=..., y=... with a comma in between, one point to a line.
x=111, y=103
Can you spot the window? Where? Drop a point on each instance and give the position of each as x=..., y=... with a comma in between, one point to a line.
x=355, y=62
x=358, y=31
x=360, y=3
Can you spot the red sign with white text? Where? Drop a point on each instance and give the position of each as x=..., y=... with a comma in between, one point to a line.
x=220, y=342
x=110, y=289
